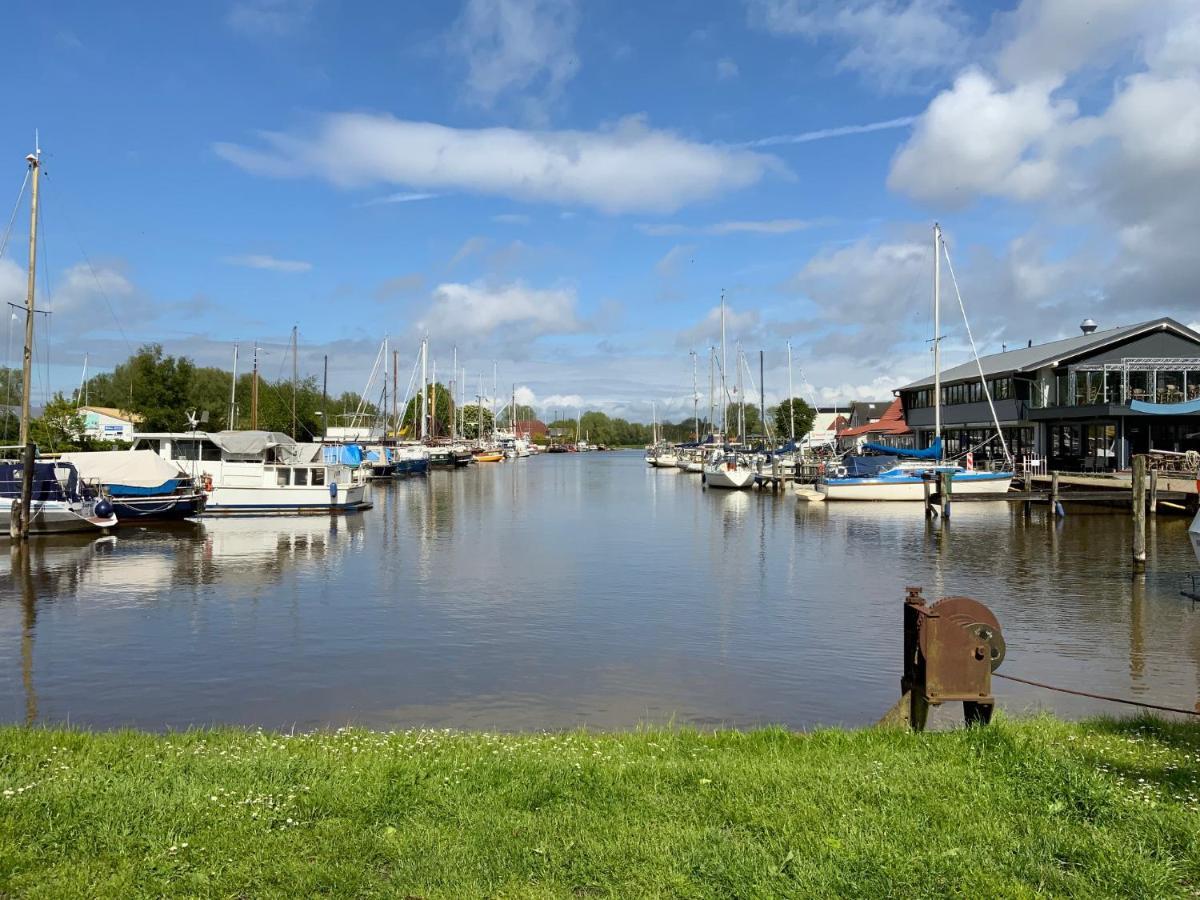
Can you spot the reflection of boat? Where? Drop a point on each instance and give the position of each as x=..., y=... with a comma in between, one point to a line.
x=140, y=483
x=261, y=472
x=60, y=503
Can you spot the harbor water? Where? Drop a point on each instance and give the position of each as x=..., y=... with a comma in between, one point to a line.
x=576, y=590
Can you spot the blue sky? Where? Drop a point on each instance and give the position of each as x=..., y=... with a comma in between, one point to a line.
x=565, y=188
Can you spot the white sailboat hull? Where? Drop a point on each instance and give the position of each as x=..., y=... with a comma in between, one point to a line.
x=54, y=517
x=733, y=479
x=911, y=490
x=290, y=500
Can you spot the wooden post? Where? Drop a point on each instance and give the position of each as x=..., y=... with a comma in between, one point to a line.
x=927, y=486
x=944, y=481
x=1139, y=513
x=1056, y=506
x=1154, y=492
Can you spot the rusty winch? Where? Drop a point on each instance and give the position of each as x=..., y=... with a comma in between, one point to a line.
x=950, y=651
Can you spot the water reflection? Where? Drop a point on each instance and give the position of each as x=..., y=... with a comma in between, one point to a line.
x=575, y=589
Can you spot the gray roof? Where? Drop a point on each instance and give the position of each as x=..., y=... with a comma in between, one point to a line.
x=1026, y=359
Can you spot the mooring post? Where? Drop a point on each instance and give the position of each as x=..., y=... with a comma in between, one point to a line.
x=1154, y=492
x=1055, y=505
x=944, y=481
x=1139, y=513
x=927, y=486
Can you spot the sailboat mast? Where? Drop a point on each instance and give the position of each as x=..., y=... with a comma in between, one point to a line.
x=81, y=397
x=937, y=334
x=254, y=392
x=231, y=422
x=791, y=397
x=453, y=380
x=424, y=392
x=384, y=411
x=295, y=379
x=762, y=396
x=724, y=389
x=35, y=168
x=433, y=403
x=695, y=398
x=395, y=392
x=325, y=400
x=741, y=420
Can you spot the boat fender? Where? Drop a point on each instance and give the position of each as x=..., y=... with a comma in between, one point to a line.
x=103, y=509
x=208, y=484
x=333, y=490
x=970, y=461
x=841, y=471
x=821, y=468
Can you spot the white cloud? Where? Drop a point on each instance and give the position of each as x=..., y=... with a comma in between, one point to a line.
x=896, y=44
x=270, y=263
x=526, y=396
x=732, y=226
x=707, y=332
x=629, y=167
x=478, y=311
x=472, y=246
x=977, y=138
x=517, y=46
x=269, y=18
x=726, y=68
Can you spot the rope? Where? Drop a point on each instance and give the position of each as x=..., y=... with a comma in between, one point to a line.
x=13, y=217
x=986, y=391
x=1063, y=690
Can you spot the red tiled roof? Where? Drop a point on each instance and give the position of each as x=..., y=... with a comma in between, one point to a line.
x=891, y=422
x=531, y=427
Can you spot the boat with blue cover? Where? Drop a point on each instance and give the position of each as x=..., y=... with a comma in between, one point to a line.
x=140, y=484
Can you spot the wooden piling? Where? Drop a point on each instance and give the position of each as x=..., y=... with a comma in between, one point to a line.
x=944, y=482
x=1154, y=492
x=927, y=486
x=1139, y=513
x=1056, y=506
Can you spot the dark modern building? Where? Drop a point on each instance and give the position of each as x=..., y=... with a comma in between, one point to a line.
x=1081, y=402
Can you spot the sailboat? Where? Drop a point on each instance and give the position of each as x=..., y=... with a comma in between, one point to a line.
x=906, y=479
x=725, y=467
x=40, y=497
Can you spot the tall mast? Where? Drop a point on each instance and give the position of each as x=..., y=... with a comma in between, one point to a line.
x=695, y=398
x=712, y=364
x=937, y=334
x=254, y=392
x=433, y=403
x=492, y=399
x=395, y=393
x=791, y=398
x=762, y=396
x=81, y=397
x=231, y=422
x=383, y=413
x=424, y=394
x=295, y=379
x=724, y=389
x=741, y=411
x=35, y=167
x=453, y=381
x=325, y=400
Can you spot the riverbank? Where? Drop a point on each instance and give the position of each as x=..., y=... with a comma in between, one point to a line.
x=1098, y=808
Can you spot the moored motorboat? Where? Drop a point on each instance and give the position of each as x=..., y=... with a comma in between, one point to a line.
x=140, y=484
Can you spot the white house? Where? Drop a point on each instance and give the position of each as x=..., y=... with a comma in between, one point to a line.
x=107, y=424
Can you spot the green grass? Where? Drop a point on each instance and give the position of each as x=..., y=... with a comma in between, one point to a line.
x=1020, y=808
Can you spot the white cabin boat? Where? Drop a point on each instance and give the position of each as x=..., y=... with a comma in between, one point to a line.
x=728, y=470
x=261, y=472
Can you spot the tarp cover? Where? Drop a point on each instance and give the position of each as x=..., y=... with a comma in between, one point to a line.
x=129, y=468
x=933, y=451
x=346, y=454
x=250, y=443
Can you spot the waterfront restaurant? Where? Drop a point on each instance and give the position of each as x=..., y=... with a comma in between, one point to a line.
x=1085, y=403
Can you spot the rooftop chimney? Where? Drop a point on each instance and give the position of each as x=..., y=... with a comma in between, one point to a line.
x=1087, y=326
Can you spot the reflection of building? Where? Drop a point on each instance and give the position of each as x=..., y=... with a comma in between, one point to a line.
x=1082, y=401
x=106, y=423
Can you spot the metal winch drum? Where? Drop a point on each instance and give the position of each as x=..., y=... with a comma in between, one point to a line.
x=951, y=649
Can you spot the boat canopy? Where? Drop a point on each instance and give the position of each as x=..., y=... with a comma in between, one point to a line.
x=250, y=443
x=933, y=451
x=51, y=481
x=136, y=471
x=1165, y=409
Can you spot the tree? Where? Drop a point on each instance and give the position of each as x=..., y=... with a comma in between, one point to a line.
x=524, y=414
x=472, y=416
x=753, y=420
x=441, y=407
x=151, y=384
x=60, y=427
x=804, y=414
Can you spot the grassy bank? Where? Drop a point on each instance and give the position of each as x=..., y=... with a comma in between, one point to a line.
x=1095, y=809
